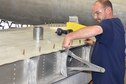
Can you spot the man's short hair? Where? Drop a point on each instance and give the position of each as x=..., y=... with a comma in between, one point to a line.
x=106, y=3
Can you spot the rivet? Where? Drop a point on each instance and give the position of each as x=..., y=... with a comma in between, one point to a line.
x=40, y=49
x=23, y=52
x=53, y=46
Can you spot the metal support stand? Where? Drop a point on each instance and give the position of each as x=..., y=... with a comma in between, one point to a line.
x=89, y=66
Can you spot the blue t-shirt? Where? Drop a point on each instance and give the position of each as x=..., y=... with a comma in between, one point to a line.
x=109, y=52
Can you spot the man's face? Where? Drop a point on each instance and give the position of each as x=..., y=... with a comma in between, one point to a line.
x=98, y=12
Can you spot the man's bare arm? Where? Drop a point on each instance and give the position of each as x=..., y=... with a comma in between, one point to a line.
x=84, y=33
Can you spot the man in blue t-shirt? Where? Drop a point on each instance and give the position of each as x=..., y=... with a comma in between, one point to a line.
x=109, y=49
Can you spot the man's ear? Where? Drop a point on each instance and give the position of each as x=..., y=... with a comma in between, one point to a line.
x=108, y=10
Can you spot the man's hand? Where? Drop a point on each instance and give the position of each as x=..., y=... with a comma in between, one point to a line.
x=89, y=41
x=67, y=42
